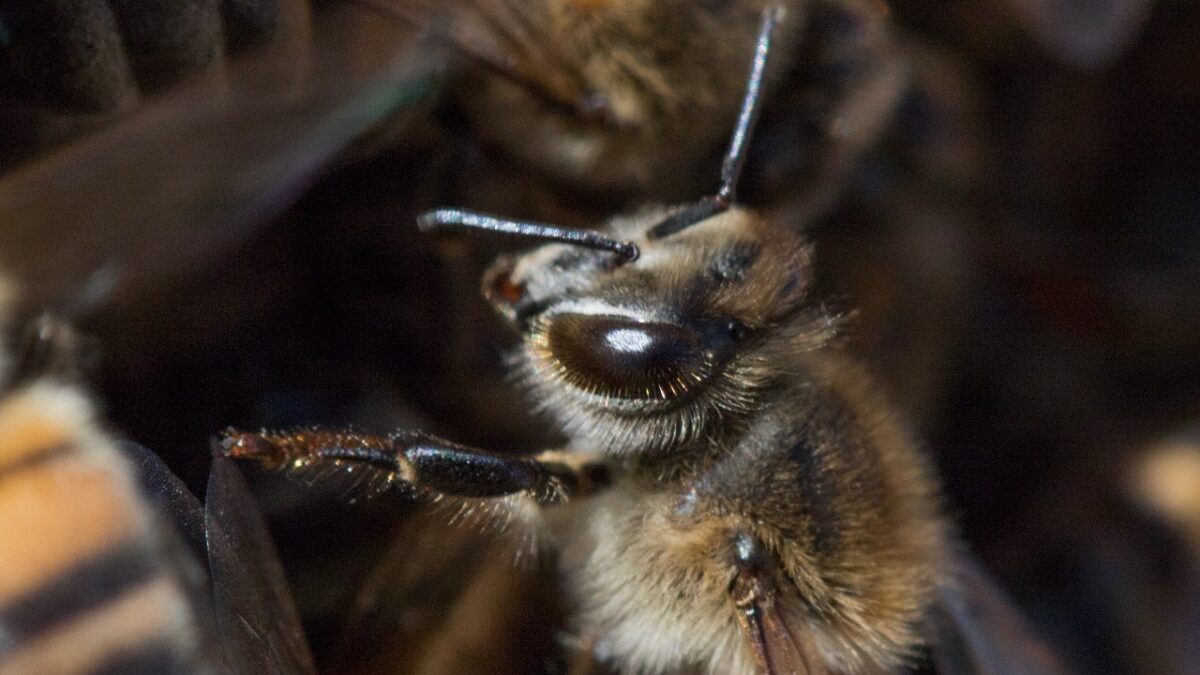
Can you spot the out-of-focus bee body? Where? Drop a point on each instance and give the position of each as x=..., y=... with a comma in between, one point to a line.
x=97, y=577
x=86, y=588
x=90, y=583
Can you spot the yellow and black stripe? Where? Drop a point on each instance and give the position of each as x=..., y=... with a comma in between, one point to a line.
x=86, y=583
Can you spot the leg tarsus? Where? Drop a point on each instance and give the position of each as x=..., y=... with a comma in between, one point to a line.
x=422, y=462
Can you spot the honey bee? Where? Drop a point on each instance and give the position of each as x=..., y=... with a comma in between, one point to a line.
x=97, y=577
x=734, y=496
x=87, y=584
x=165, y=183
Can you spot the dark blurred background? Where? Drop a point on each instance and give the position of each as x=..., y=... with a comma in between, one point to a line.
x=1020, y=243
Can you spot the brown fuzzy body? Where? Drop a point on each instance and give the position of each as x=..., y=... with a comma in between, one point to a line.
x=631, y=98
x=826, y=479
x=722, y=454
x=785, y=442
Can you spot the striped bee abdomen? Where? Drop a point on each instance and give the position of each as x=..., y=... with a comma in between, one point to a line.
x=86, y=583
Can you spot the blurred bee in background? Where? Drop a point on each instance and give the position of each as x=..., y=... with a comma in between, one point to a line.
x=86, y=582
x=251, y=324
x=102, y=543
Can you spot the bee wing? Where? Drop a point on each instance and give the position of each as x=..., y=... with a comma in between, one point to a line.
x=981, y=633
x=1084, y=33
x=257, y=619
x=193, y=173
x=185, y=516
x=169, y=495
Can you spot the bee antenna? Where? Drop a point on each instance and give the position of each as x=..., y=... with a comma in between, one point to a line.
x=731, y=167
x=459, y=219
x=735, y=158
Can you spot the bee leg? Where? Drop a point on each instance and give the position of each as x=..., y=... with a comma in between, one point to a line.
x=467, y=472
x=422, y=462
x=780, y=643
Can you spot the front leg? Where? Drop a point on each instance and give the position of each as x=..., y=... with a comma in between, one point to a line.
x=781, y=644
x=422, y=462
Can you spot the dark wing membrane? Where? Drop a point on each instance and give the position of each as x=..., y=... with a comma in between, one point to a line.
x=168, y=493
x=1084, y=33
x=981, y=633
x=192, y=173
x=256, y=617
x=781, y=645
x=184, y=543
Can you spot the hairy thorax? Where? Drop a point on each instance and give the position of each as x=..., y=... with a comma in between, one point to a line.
x=839, y=500
x=651, y=595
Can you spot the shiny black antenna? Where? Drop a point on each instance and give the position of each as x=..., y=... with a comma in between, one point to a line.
x=627, y=251
x=735, y=157
x=441, y=220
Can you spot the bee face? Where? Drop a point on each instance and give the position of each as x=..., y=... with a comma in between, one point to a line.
x=645, y=356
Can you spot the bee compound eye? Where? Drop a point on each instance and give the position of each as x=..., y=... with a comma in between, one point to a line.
x=620, y=357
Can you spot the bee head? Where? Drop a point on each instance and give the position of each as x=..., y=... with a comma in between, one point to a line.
x=637, y=339
x=644, y=356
